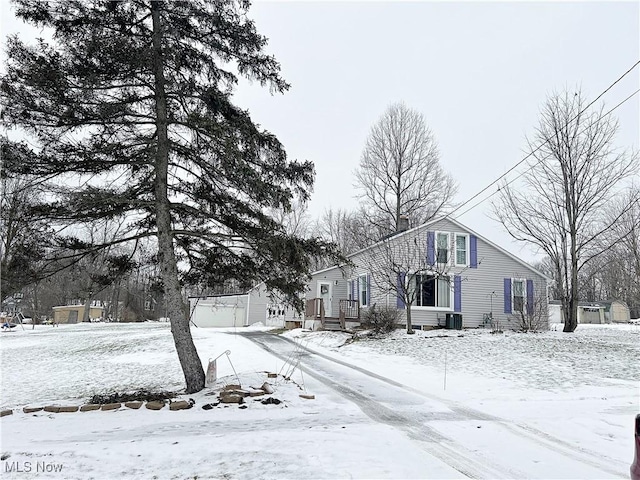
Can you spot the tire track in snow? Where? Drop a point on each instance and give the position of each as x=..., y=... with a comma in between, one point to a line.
x=585, y=456
x=453, y=454
x=540, y=437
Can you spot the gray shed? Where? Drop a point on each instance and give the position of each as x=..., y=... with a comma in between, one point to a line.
x=616, y=311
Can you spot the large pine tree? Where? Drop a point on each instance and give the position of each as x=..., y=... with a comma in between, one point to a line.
x=132, y=100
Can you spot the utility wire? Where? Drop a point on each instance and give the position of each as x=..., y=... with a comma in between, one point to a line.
x=541, y=145
x=532, y=166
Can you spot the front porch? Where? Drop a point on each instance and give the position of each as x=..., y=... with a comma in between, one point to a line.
x=349, y=312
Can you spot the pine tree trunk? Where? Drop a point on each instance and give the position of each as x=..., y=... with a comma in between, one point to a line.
x=176, y=308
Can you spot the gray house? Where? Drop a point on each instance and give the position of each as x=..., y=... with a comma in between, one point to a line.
x=443, y=269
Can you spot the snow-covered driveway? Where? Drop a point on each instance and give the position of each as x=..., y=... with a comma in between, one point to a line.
x=446, y=429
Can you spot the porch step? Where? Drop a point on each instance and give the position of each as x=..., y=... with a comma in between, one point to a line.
x=332, y=325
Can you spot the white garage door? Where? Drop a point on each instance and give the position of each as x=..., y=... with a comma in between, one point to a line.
x=217, y=315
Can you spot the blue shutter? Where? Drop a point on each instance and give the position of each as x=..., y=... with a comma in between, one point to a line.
x=457, y=293
x=400, y=291
x=431, y=254
x=507, y=295
x=473, y=251
x=358, y=290
x=530, y=297
x=368, y=289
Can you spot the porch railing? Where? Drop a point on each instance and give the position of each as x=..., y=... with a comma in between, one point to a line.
x=315, y=309
x=349, y=310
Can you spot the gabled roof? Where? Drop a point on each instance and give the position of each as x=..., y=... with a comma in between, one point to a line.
x=434, y=221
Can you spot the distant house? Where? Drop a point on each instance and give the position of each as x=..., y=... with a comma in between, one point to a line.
x=451, y=271
x=75, y=313
x=242, y=309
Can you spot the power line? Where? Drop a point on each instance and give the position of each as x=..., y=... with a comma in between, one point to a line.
x=542, y=144
x=535, y=164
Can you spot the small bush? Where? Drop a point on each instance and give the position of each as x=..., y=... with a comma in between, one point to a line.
x=380, y=320
x=533, y=318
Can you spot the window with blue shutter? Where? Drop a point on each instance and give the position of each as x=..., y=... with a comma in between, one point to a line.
x=473, y=251
x=431, y=248
x=457, y=293
x=530, y=297
x=442, y=248
x=518, y=295
x=461, y=252
x=507, y=295
x=363, y=290
x=400, y=291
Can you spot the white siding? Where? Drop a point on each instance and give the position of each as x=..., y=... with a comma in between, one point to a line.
x=259, y=299
x=213, y=311
x=257, y=305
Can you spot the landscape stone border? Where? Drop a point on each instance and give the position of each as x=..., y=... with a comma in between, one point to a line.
x=231, y=393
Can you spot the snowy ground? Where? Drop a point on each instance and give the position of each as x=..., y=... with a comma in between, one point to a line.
x=572, y=394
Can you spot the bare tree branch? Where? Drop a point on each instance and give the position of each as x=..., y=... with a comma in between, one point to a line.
x=400, y=171
x=575, y=176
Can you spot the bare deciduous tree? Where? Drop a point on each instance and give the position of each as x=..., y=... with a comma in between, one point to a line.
x=295, y=221
x=547, y=267
x=400, y=171
x=628, y=228
x=614, y=274
x=23, y=238
x=347, y=229
x=397, y=267
x=575, y=174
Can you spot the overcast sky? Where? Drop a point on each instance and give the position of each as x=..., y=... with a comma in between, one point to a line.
x=478, y=72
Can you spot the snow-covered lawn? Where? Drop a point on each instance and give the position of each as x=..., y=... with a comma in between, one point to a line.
x=577, y=392
x=581, y=388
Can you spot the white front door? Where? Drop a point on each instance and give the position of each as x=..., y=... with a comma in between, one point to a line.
x=324, y=292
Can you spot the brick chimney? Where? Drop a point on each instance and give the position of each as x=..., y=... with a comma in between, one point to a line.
x=403, y=223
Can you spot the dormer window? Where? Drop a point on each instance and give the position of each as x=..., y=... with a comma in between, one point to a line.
x=442, y=248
